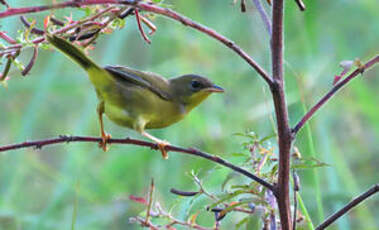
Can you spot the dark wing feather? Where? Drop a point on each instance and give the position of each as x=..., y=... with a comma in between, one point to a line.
x=125, y=74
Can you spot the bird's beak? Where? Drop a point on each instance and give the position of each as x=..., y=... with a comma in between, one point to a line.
x=215, y=89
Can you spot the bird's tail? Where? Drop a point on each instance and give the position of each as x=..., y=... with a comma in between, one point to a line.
x=71, y=51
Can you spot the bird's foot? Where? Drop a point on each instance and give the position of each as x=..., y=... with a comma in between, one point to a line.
x=105, y=137
x=162, y=147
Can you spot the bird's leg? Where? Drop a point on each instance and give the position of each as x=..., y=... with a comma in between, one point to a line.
x=104, y=136
x=161, y=143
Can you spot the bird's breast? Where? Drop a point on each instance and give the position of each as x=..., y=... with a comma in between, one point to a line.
x=132, y=106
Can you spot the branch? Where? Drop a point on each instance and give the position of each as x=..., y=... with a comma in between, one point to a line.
x=151, y=8
x=188, y=22
x=69, y=4
x=263, y=15
x=191, y=151
x=281, y=112
x=332, y=92
x=374, y=189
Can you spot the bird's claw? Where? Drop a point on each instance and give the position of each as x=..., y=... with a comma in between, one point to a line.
x=162, y=147
x=105, y=137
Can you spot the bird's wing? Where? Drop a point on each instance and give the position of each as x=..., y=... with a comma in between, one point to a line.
x=127, y=75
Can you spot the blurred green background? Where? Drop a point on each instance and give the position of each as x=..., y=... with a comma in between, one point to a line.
x=38, y=188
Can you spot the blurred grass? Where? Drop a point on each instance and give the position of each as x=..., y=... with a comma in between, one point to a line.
x=38, y=186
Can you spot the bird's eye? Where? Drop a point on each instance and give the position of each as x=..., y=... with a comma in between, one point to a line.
x=195, y=84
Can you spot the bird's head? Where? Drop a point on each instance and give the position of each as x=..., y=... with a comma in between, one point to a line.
x=192, y=89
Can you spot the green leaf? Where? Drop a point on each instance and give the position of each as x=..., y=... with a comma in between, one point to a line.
x=242, y=222
x=308, y=163
x=227, y=179
x=227, y=198
x=262, y=140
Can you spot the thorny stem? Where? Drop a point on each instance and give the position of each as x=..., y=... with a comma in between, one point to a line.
x=191, y=151
x=332, y=92
x=370, y=192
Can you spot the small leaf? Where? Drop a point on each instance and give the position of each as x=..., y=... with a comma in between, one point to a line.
x=137, y=199
x=46, y=21
x=307, y=163
x=227, y=179
x=268, y=137
x=193, y=218
x=239, y=154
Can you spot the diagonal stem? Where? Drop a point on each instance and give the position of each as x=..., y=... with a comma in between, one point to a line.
x=264, y=17
x=210, y=32
x=332, y=92
x=362, y=197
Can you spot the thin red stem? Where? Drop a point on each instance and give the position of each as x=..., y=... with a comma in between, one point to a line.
x=140, y=27
x=332, y=92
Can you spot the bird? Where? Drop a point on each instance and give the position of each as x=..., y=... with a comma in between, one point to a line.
x=138, y=100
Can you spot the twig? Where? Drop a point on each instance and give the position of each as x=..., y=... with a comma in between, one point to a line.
x=31, y=62
x=8, y=39
x=73, y=4
x=140, y=27
x=27, y=25
x=126, y=13
x=281, y=111
x=183, y=193
x=142, y=222
x=264, y=17
x=149, y=24
x=151, y=8
x=243, y=6
x=7, y=67
x=174, y=221
x=188, y=22
x=332, y=92
x=56, y=21
x=150, y=202
x=374, y=189
x=4, y=3
x=191, y=151
x=300, y=4
x=296, y=188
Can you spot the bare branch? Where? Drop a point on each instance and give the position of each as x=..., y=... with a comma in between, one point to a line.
x=74, y=4
x=191, y=151
x=332, y=92
x=210, y=32
x=281, y=111
x=264, y=17
x=31, y=62
x=374, y=189
x=142, y=32
x=34, y=30
x=151, y=8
